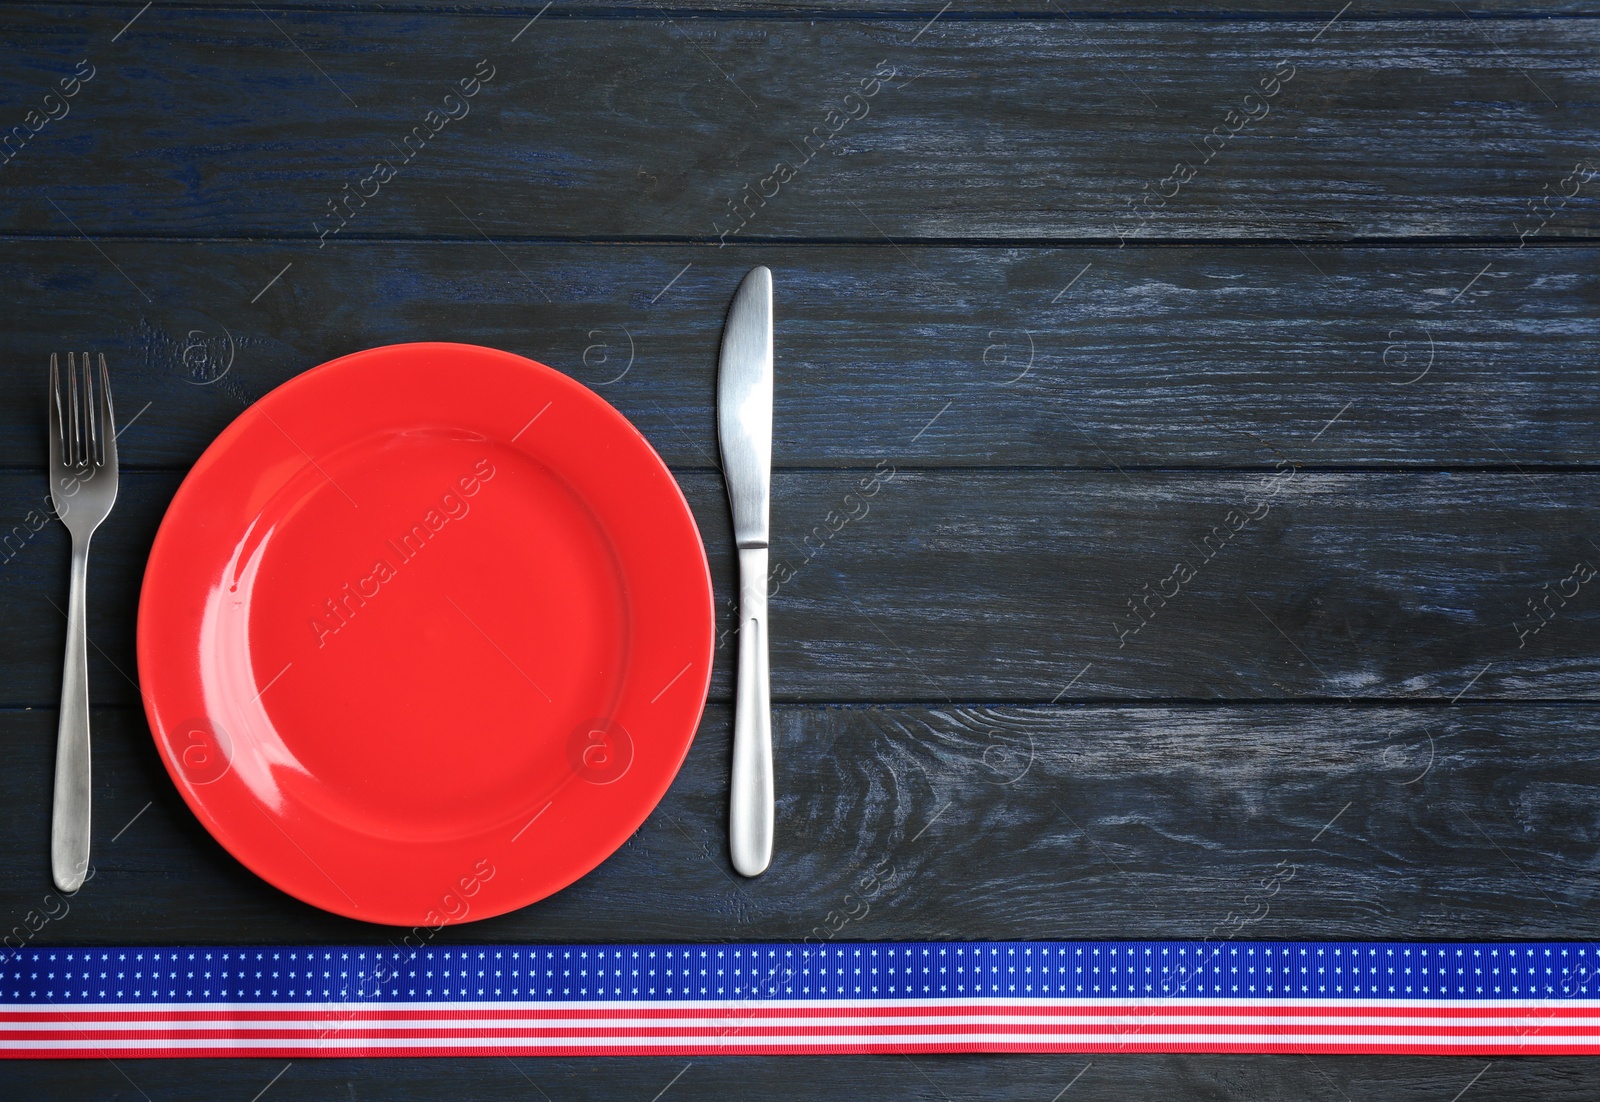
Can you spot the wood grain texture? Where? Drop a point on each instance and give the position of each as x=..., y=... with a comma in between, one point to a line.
x=1348, y=686
x=1163, y=357
x=957, y=822
x=1313, y=12
x=1006, y=585
x=225, y=123
x=1468, y=821
x=1107, y=1078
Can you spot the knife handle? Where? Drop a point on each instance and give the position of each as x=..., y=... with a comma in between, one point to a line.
x=750, y=804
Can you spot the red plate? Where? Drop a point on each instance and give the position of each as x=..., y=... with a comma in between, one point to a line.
x=426, y=634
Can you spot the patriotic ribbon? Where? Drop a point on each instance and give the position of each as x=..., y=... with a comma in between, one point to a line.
x=1127, y=996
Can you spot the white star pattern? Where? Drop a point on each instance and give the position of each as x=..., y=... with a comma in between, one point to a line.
x=1528, y=982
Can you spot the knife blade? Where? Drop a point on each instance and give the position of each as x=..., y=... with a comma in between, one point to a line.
x=744, y=431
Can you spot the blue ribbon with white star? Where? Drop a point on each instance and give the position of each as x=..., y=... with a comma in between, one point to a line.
x=1480, y=997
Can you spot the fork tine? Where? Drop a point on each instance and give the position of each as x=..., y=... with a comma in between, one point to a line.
x=75, y=421
x=91, y=415
x=57, y=436
x=88, y=414
x=108, y=421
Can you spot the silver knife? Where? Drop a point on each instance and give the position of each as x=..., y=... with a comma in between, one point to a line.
x=744, y=428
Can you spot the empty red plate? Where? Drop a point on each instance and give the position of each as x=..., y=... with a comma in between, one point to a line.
x=425, y=634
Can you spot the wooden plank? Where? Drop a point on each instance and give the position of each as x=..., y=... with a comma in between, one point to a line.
x=1315, y=13
x=955, y=822
x=1014, y=130
x=1038, y=585
x=1164, y=357
x=1110, y=1077
x=1176, y=817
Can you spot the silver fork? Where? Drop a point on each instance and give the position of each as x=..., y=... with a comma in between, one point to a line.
x=83, y=487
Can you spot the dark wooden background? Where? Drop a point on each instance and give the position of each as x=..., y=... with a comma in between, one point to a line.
x=1374, y=288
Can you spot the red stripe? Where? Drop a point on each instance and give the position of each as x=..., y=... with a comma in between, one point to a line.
x=541, y=1012
x=733, y=1029
x=466, y=1049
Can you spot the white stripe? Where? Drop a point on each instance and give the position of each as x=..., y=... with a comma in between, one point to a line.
x=1354, y=1005
x=810, y=1024
x=1063, y=1040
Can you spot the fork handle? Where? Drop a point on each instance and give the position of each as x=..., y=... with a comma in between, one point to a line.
x=69, y=821
x=750, y=810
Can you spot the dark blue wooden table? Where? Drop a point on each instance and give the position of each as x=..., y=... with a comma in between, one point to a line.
x=1224, y=372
